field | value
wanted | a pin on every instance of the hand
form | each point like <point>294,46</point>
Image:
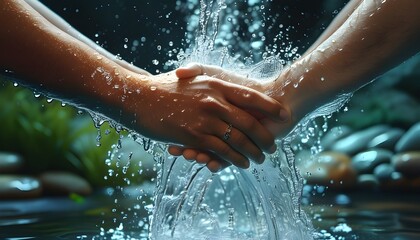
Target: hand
<point>214,162</point>
<point>196,113</point>
<point>277,128</point>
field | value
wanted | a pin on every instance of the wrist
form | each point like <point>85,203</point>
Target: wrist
<point>301,88</point>
<point>110,93</point>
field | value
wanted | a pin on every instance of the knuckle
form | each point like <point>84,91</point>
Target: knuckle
<point>224,150</point>
<point>215,105</point>
<point>242,140</point>
<point>249,123</point>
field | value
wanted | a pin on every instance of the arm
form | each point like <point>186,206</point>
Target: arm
<point>345,13</point>
<point>376,37</point>
<point>191,113</point>
<point>366,39</point>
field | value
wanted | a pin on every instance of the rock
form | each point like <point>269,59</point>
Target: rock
<point>19,187</point>
<point>408,164</point>
<point>365,162</point>
<point>410,141</point>
<point>64,183</point>
<point>367,181</point>
<point>358,141</point>
<point>386,140</point>
<point>333,135</point>
<point>397,183</point>
<point>342,200</point>
<point>383,172</point>
<point>10,162</point>
<point>330,169</point>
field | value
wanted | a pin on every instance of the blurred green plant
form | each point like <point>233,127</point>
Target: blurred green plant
<point>50,136</point>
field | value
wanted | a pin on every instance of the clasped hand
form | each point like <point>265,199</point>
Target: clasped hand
<point>197,112</point>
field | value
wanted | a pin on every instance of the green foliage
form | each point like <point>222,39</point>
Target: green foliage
<point>52,137</point>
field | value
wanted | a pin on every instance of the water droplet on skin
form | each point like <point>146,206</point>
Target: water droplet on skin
<point>153,88</point>
<point>322,79</point>
<point>301,79</point>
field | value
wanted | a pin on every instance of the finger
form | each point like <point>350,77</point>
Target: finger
<point>175,150</point>
<point>251,131</point>
<point>249,99</point>
<point>224,151</point>
<point>241,143</point>
<point>190,154</point>
<point>245,98</point>
<point>214,162</point>
<point>213,71</point>
<point>189,71</point>
<point>215,165</point>
<point>203,157</point>
<point>195,69</point>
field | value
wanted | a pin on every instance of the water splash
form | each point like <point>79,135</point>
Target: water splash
<point>262,202</point>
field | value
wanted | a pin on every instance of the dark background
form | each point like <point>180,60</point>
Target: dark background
<point>113,23</point>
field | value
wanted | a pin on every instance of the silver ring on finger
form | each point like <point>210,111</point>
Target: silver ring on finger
<point>226,135</point>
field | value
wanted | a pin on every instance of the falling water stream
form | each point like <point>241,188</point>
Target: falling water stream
<point>262,202</point>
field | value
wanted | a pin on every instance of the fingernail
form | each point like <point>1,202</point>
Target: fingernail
<point>261,159</point>
<point>273,148</point>
<point>284,115</point>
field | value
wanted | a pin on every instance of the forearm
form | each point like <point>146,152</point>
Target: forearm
<point>375,38</point>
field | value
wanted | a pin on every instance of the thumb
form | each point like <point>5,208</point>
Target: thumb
<point>189,71</point>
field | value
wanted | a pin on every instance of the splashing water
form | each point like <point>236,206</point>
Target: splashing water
<point>262,202</point>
